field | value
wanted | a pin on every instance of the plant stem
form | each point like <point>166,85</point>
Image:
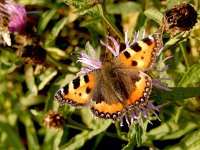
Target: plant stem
<point>183,49</point>
<point>103,13</point>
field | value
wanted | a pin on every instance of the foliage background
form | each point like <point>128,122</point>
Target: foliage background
<point>62,28</point>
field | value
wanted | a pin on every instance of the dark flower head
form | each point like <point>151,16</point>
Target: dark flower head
<point>33,54</point>
<point>12,18</point>
<point>182,17</point>
<point>93,62</point>
<point>54,120</point>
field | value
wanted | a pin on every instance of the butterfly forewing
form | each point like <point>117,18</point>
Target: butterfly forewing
<point>77,92</point>
<point>142,54</point>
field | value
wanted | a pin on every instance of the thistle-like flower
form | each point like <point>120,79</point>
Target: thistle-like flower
<point>54,120</point>
<point>131,114</point>
<point>12,19</point>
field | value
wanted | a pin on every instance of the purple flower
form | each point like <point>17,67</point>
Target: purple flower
<point>93,62</point>
<point>12,18</point>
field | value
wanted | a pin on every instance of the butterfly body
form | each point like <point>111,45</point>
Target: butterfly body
<point>119,85</point>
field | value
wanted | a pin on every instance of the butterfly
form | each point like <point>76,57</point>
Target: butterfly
<point>119,85</point>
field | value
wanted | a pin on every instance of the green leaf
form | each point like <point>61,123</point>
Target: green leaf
<point>30,80</point>
<point>77,3</point>
<point>131,138</point>
<point>55,31</point>
<point>191,77</point>
<point>45,18</point>
<point>177,94</point>
<point>123,7</point>
<point>140,22</point>
<point>171,130</point>
<point>34,2</point>
<point>154,14</point>
<point>173,41</point>
<point>12,137</point>
<point>84,6</point>
<point>31,134</point>
<point>47,79</point>
<point>135,135</point>
<point>173,3</point>
<point>190,142</point>
<point>52,139</point>
<point>78,141</point>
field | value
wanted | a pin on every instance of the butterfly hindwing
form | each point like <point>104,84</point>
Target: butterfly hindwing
<point>141,91</point>
<point>78,92</point>
<point>142,54</point>
<point>107,111</point>
<point>105,103</point>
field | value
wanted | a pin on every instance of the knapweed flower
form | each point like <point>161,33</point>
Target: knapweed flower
<point>54,120</point>
<point>142,106</point>
<point>12,19</point>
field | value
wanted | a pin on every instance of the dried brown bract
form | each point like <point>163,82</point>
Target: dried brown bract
<point>181,17</point>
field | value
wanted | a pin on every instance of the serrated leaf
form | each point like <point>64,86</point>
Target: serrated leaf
<point>154,14</point>
<point>77,3</point>
<point>135,135</point>
<point>191,77</point>
<point>84,6</point>
<point>123,7</point>
<point>131,138</point>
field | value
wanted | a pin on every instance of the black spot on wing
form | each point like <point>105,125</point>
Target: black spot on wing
<point>86,78</point>
<point>136,47</point>
<point>88,90</point>
<point>147,40</point>
<point>122,47</point>
<point>76,82</point>
<point>66,89</point>
<point>134,63</point>
<point>127,54</point>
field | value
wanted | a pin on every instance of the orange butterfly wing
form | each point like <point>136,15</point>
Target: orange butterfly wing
<point>78,92</point>
<point>141,92</point>
<point>142,54</point>
<point>107,111</point>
